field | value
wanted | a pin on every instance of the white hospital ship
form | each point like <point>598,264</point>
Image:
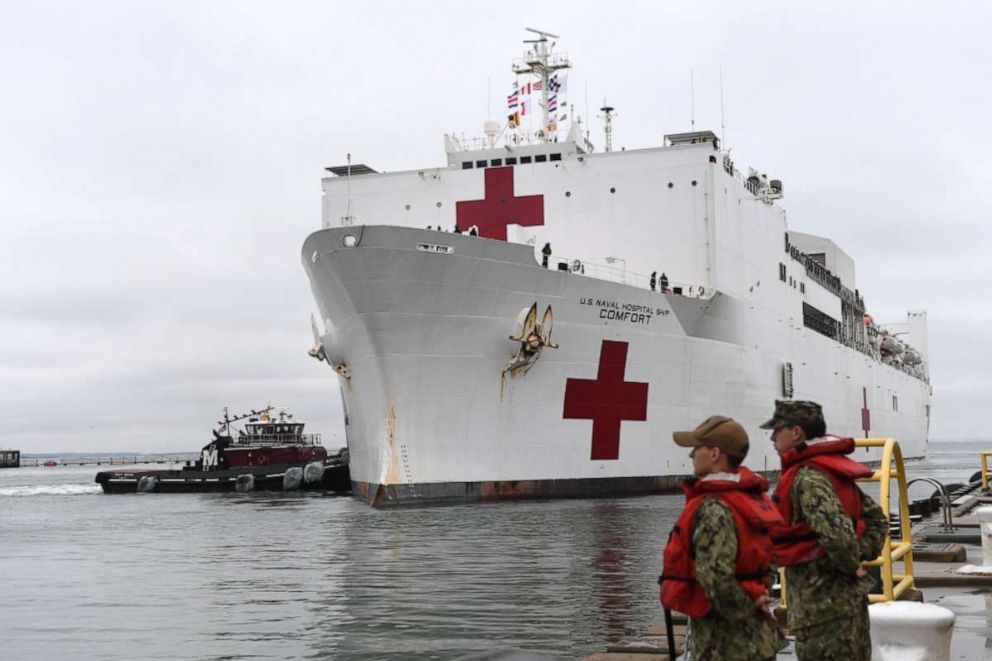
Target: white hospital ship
<point>673,290</point>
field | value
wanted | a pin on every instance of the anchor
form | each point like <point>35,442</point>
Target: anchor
<point>317,351</point>
<point>533,337</point>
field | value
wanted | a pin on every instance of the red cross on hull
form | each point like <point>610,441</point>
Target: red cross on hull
<point>499,208</point>
<point>607,400</point>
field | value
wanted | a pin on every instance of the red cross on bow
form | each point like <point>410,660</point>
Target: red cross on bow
<point>499,208</point>
<point>607,400</point>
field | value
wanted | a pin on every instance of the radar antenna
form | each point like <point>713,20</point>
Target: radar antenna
<point>541,62</point>
<point>228,419</point>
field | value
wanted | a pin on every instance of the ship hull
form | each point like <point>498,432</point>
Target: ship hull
<point>420,320</point>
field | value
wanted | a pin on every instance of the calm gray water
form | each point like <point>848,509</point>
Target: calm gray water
<point>291,576</point>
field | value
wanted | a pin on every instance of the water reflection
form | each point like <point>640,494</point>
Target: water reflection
<point>563,578</point>
<point>613,589</point>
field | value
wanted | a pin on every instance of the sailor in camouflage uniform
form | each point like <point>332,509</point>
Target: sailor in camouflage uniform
<point>831,526</point>
<point>716,562</point>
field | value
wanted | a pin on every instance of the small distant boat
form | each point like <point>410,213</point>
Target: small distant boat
<point>271,453</point>
<point>50,462</point>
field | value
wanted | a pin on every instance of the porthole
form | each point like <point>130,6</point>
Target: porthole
<point>568,193</point>
<point>613,190</point>
<point>407,207</point>
<point>693,182</point>
<point>671,185</point>
<point>438,205</point>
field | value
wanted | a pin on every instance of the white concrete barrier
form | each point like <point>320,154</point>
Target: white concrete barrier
<point>984,515</point>
<point>910,631</point>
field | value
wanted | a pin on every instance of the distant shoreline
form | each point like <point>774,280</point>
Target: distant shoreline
<point>108,455</point>
<point>170,453</point>
<point>78,455</point>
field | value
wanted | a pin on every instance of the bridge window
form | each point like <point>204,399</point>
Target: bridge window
<point>540,158</point>
<point>555,157</point>
<point>820,322</point>
<point>525,159</point>
<point>512,160</point>
<point>480,164</point>
<point>781,271</point>
<point>466,165</point>
<point>895,402</point>
<point>496,161</point>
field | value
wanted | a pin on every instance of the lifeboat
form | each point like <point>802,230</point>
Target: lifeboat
<point>912,357</point>
<point>890,346</point>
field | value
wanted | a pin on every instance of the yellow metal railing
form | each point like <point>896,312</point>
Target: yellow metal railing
<point>985,470</point>
<point>891,467</point>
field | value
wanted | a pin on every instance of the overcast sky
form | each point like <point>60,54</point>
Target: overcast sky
<point>160,167</point>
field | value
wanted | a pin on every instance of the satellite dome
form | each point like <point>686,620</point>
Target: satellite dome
<point>491,128</point>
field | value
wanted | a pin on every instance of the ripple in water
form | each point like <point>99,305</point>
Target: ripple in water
<point>303,576</point>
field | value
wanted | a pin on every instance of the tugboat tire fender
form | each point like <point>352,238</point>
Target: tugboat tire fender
<point>147,484</point>
<point>245,482</point>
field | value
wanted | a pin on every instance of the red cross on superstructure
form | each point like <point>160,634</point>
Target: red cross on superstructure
<point>607,400</point>
<point>499,208</point>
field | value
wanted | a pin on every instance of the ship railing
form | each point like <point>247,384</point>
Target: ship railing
<point>280,439</point>
<point>620,274</point>
<point>507,139</point>
<point>532,57</point>
<point>893,585</point>
<point>822,276</point>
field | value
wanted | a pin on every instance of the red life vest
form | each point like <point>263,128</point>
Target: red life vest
<point>796,544</point>
<point>754,516</point>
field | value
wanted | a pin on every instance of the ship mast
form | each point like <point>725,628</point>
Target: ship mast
<point>607,116</point>
<point>541,62</point>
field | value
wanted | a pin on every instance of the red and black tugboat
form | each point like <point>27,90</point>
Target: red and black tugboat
<point>271,453</point>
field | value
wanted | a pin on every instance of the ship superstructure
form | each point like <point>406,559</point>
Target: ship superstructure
<point>534,318</point>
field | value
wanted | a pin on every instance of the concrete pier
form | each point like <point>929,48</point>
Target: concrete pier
<point>112,460</point>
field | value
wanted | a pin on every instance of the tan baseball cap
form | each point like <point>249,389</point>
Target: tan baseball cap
<point>717,431</point>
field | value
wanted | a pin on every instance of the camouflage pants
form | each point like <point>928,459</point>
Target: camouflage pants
<point>844,639</point>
